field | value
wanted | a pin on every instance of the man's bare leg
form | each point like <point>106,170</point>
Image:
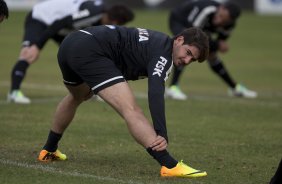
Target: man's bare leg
<point>67,107</point>
<point>121,98</point>
<point>65,112</point>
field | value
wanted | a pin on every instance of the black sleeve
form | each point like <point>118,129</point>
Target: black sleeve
<point>199,13</point>
<point>93,8</point>
<point>53,29</point>
<point>89,14</point>
<point>158,71</point>
<point>181,12</point>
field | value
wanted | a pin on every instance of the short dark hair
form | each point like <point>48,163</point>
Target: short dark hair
<point>120,13</point>
<point>4,9</point>
<point>196,37</point>
<point>233,9</point>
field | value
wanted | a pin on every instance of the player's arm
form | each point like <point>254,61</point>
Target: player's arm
<point>201,18</point>
<point>90,12</point>
<point>157,74</point>
<point>225,32</point>
<point>223,35</point>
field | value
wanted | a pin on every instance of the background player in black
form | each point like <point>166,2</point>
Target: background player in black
<point>54,19</point>
<point>4,11</point>
<point>99,60</point>
<point>217,20</point>
<point>277,178</point>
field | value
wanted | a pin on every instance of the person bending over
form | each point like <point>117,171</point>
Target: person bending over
<point>218,21</point>
<point>55,19</point>
<point>99,60</point>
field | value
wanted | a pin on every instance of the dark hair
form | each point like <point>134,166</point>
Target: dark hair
<point>120,13</point>
<point>233,9</point>
<point>4,9</point>
<point>196,37</point>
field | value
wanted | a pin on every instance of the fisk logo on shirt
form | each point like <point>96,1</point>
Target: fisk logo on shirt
<point>160,66</point>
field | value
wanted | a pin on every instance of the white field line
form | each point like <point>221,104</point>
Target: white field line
<point>56,171</point>
<point>141,95</point>
<point>66,173</point>
<point>36,86</point>
<point>218,99</point>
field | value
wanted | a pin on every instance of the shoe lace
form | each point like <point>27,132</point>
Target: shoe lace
<point>50,155</point>
<point>182,163</point>
<point>176,89</point>
<point>190,169</point>
<point>20,94</point>
<point>242,88</point>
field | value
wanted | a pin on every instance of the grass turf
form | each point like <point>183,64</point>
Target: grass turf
<point>234,140</point>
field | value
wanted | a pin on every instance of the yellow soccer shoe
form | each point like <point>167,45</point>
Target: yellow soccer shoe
<point>46,156</point>
<point>182,170</point>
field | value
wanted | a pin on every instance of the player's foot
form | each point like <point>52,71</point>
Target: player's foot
<point>182,170</point>
<point>17,96</point>
<point>174,92</point>
<point>242,91</point>
<point>45,156</point>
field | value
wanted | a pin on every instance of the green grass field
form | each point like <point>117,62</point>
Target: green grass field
<point>237,141</point>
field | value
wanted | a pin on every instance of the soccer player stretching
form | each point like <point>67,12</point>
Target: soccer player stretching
<point>218,21</point>
<point>55,19</point>
<point>99,60</point>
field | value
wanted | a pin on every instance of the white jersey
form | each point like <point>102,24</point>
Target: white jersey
<point>51,10</point>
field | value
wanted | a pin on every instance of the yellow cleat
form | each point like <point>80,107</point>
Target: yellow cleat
<point>182,170</point>
<point>46,156</point>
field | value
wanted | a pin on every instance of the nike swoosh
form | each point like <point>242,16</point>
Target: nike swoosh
<point>194,173</point>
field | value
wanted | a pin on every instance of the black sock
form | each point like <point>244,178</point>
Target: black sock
<point>18,74</point>
<point>218,67</point>
<point>163,157</point>
<point>176,75</point>
<point>52,141</point>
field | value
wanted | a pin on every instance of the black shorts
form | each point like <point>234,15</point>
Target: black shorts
<point>81,59</point>
<point>177,27</point>
<point>33,30</point>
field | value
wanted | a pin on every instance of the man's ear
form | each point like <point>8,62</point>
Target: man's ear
<point>179,40</point>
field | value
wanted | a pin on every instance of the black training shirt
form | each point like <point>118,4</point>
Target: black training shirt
<point>200,14</point>
<point>140,53</point>
<point>64,16</point>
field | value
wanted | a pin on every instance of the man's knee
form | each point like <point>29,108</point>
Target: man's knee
<point>28,56</point>
<point>80,93</point>
<point>133,110</point>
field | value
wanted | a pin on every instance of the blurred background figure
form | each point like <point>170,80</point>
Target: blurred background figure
<point>54,19</point>
<point>217,20</point>
<point>4,12</point>
<point>153,3</point>
<point>277,178</point>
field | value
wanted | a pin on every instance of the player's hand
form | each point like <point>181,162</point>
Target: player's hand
<point>223,46</point>
<point>159,144</point>
<point>30,54</point>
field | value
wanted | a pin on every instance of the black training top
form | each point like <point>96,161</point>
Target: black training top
<point>200,14</point>
<point>140,53</point>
